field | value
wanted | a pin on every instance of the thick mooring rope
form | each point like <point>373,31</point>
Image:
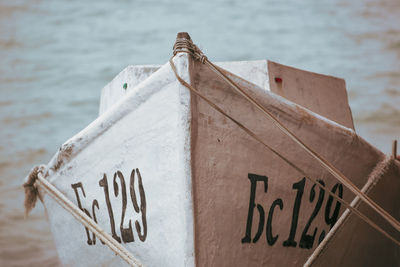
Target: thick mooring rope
<point>187,46</point>
<point>36,178</point>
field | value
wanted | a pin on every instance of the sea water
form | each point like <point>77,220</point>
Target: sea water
<point>55,56</point>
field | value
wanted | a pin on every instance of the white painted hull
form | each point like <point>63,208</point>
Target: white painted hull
<point>151,136</point>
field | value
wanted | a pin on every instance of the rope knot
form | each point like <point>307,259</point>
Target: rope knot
<point>185,45</point>
<point>31,192</point>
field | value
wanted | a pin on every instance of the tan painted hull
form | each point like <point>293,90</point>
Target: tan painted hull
<point>223,156</point>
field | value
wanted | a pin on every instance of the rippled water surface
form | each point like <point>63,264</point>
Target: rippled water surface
<point>55,56</point>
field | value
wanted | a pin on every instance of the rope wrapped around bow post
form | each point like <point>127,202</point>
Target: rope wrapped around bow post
<point>184,44</point>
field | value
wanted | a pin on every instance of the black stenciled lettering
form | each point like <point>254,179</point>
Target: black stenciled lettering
<point>261,224</point>
<point>103,183</point>
<point>95,204</point>
<point>126,233</point>
<point>331,220</point>
<point>299,186</point>
<point>142,236</point>
<point>254,178</point>
<point>75,187</point>
<point>270,238</point>
<point>307,241</point>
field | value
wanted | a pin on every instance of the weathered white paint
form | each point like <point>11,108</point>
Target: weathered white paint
<point>132,76</point>
<point>149,130</point>
<point>253,71</point>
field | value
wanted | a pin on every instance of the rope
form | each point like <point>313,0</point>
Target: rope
<point>336,173</point>
<point>36,177</point>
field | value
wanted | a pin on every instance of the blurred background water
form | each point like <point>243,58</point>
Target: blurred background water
<point>55,56</point>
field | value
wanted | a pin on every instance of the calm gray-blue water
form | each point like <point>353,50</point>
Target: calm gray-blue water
<point>55,56</point>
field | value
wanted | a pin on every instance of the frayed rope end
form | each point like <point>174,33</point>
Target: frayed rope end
<point>31,192</point>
